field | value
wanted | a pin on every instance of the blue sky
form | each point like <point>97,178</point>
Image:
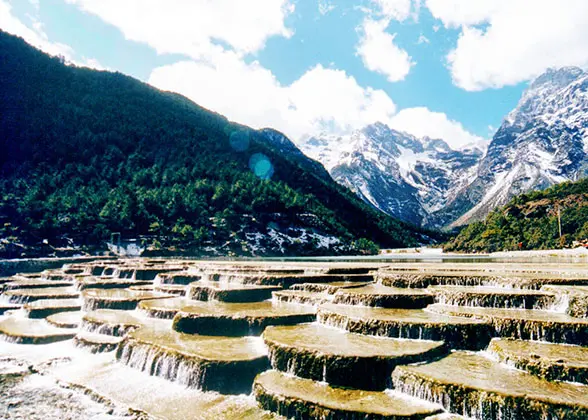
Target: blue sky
<point>445,68</point>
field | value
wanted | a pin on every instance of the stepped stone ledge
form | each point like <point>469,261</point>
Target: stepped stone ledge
<point>301,297</point>
<point>525,324</point>
<point>96,343</point>
<point>573,299</point>
<point>311,340</point>
<point>555,362</point>
<point>299,398</point>
<point>329,288</point>
<point>32,331</point>
<point>230,292</point>
<point>69,319</point>
<point>330,355</point>
<point>163,308</point>
<point>456,332</point>
<point>378,295</point>
<point>490,390</point>
<point>226,365</point>
<point>21,296</point>
<point>122,299</point>
<point>517,280</point>
<point>238,319</point>
<point>46,307</point>
<point>493,297</point>
<point>111,322</point>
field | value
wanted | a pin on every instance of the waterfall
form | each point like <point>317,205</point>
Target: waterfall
<point>117,330</point>
<point>93,304</point>
<point>229,377</point>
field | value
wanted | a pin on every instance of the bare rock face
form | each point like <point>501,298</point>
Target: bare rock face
<point>407,177</point>
<point>542,142</point>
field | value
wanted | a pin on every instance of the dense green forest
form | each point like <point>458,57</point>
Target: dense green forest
<point>531,221</point>
<point>88,153</point>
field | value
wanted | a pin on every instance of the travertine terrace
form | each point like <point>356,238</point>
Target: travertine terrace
<point>167,338</point>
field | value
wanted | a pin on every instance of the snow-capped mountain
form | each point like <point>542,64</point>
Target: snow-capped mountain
<point>402,175</point>
<point>544,141</point>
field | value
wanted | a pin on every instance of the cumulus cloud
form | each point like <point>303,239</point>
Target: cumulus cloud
<point>456,13</point>
<point>221,76</point>
<point>394,9</point>
<point>505,42</point>
<point>192,27</point>
<point>377,49</point>
<point>380,54</point>
<point>34,36</point>
<point>322,99</point>
<point>421,122</point>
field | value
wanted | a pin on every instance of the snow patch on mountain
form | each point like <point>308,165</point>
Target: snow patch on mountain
<point>400,174</point>
<point>542,142</point>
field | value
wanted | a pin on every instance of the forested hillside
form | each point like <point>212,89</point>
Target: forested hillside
<point>85,154</point>
<point>531,221</point>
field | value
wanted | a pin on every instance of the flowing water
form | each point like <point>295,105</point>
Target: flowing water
<point>302,338</point>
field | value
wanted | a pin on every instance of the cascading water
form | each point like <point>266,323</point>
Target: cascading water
<point>117,330</point>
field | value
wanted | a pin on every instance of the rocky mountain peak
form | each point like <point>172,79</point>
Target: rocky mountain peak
<point>556,78</point>
<point>542,142</point>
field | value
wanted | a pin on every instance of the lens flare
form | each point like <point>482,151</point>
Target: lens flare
<point>261,166</point>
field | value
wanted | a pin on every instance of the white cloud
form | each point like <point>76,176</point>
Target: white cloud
<point>191,27</point>
<point>220,78</point>
<point>325,6</point>
<point>379,53</point>
<point>91,63</point>
<point>394,9</point>
<point>520,39</point>
<point>422,122</point>
<point>423,40</point>
<point>399,10</point>
<point>34,36</point>
<point>322,99</point>
<point>455,13</point>
<point>332,100</point>
<point>37,37</point>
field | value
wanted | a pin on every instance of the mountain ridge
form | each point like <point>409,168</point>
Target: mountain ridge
<point>400,174</point>
<point>88,153</point>
<point>542,142</point>
<point>552,218</point>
